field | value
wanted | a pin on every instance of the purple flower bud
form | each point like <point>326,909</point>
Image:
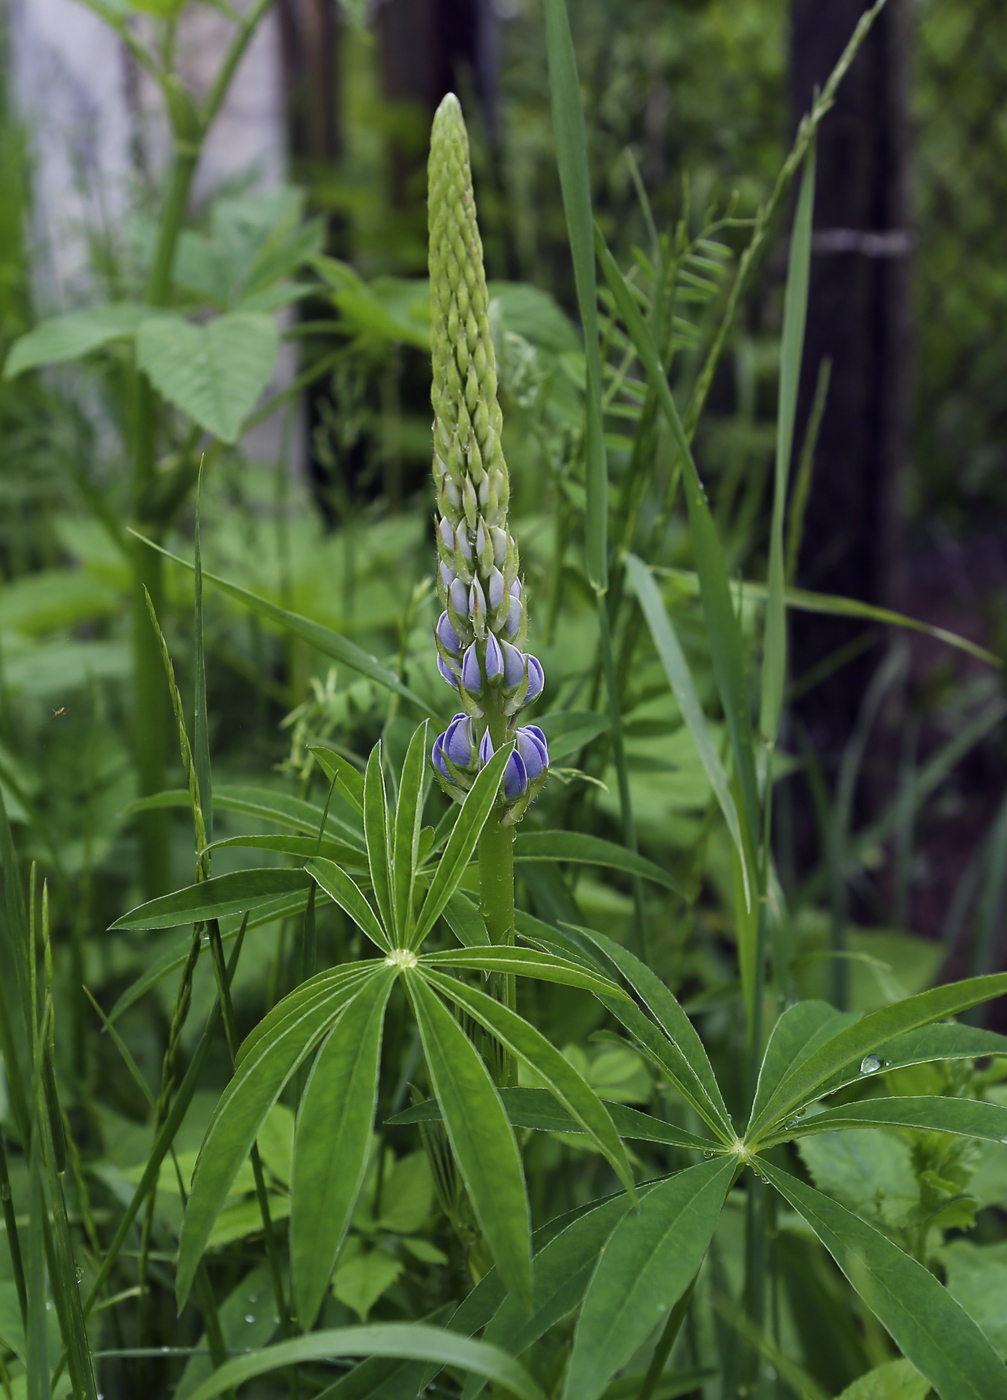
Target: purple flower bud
<point>536,678</point>
<point>494,659</point>
<point>514,613</point>
<point>500,543</point>
<point>495,588</point>
<point>447,636</point>
<point>471,676</point>
<point>447,534</point>
<point>532,747</point>
<point>457,741</point>
<point>447,576</point>
<point>446,672</point>
<point>480,538</point>
<point>459,598</point>
<point>485,749</point>
<point>515,778</point>
<point>438,758</point>
<point>462,543</point>
<point>513,666</point>
<point>515,588</point>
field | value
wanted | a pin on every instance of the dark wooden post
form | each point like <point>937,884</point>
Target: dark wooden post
<point>857,316</point>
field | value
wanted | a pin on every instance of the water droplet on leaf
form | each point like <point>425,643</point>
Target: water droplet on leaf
<point>249,1317</point>
<point>870,1064</point>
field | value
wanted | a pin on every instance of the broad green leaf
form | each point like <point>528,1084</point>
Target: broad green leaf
<point>408,820</point>
<point>676,668</point>
<point>223,894</point>
<point>591,850</point>
<point>795,308</point>
<point>976,1276</point>
<point>472,817</point>
<point>361,1280</point>
<point>343,889</point>
<point>943,1041</point>
<point>932,1330</point>
<point>895,1380</point>
<point>248,1321</point>
<point>480,1135</point>
<point>68,337</point>
<point>254,1088</point>
<point>855,1046</point>
<point>526,963</point>
<point>539,1109</point>
<point>967,1117</point>
<point>563,1269</point>
<point>796,1035</point>
<point>682,1034</point>
<point>575,182</point>
<point>529,1045</point>
<point>342,772</point>
<point>465,922</point>
<point>332,1142</point>
<point>322,638</point>
<point>648,1263</point>
<point>376,836</point>
<point>213,372</point>
<point>411,1340</point>
<point>726,647</point>
<point>300,847</point>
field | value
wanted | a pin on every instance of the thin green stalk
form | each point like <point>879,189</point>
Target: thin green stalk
<point>666,1341</point>
<point>13,1240</point>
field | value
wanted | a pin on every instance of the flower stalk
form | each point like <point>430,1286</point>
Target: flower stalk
<point>481,630</point>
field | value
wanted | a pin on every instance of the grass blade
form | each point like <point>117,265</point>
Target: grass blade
<point>676,668</point>
<point>795,308</point>
<point>571,156</point>
<point>410,1340</point>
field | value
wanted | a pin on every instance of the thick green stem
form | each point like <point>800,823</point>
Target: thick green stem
<point>496,896</point>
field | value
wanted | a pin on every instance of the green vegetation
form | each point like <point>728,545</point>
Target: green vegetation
<point>345,1060</point>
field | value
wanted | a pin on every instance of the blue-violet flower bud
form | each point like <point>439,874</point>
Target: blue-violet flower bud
<point>447,575</point>
<point>515,777</point>
<point>495,588</point>
<point>513,666</point>
<point>485,749</point>
<point>446,672</point>
<point>458,596</point>
<point>512,625</point>
<point>458,742</point>
<point>494,659</point>
<point>536,678</point>
<point>447,636</point>
<point>532,746</point>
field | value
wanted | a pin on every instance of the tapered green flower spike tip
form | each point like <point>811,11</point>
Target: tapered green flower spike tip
<point>467,420</point>
<point>480,633</point>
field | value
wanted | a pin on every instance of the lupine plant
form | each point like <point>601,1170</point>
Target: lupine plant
<point>425,1026</point>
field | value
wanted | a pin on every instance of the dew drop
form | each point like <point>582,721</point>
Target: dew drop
<point>48,1307</point>
<point>253,1297</point>
<point>870,1064</point>
<point>166,1349</point>
<point>79,1274</point>
<point>709,1156</point>
<point>249,1317</point>
<point>1004,1141</point>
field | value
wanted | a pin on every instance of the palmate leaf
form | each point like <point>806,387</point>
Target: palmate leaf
<point>529,1045</point>
<point>797,1035</point>
<point>525,962</point>
<point>480,1135</point>
<point>845,1053</point>
<point>341,888</point>
<point>465,922</point>
<point>409,1340</point>
<point>236,893</point>
<point>966,1117</point>
<point>339,770</point>
<point>563,1268</point>
<point>540,1110</point>
<point>406,834</point>
<point>932,1330</point>
<point>305,997</point>
<point>256,1085</point>
<point>691,1062</point>
<point>332,1141</point>
<point>292,813</point>
<point>648,1263</point>
<point>376,836</point>
<point>300,847</point>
